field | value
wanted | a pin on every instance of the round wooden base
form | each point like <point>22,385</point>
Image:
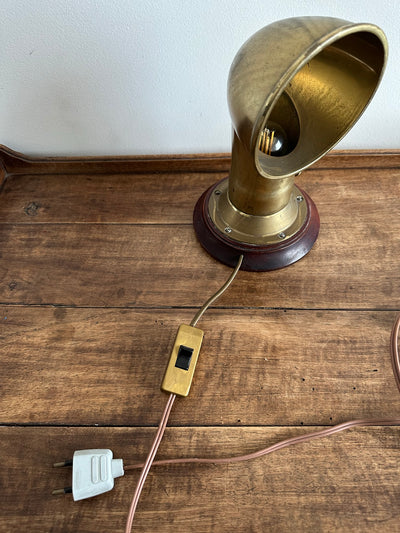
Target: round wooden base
<point>256,257</point>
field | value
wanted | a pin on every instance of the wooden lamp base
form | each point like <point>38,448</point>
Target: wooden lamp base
<point>256,257</point>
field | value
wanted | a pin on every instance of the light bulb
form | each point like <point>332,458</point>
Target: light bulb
<point>273,140</point>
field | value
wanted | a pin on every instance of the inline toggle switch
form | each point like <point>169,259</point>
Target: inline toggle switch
<point>182,362</point>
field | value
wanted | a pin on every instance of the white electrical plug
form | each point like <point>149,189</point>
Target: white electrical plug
<point>93,472</point>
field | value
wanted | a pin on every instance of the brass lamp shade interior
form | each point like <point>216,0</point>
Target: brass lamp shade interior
<point>322,101</point>
<point>295,88</point>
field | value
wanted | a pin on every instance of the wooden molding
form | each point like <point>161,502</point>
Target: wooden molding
<point>15,163</point>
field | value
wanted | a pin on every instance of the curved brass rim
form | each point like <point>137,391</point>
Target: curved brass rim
<point>313,51</point>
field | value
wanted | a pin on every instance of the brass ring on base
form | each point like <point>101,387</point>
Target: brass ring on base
<point>257,257</point>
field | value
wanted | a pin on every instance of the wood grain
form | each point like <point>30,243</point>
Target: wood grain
<point>257,367</point>
<point>348,482</point>
<point>169,198</point>
<point>352,264</point>
<point>99,266</point>
<point>130,266</point>
<point>118,198</point>
<point>15,163</point>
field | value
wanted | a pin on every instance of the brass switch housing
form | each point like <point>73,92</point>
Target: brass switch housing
<point>177,380</point>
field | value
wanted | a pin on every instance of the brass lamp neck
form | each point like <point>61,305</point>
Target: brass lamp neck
<point>252,193</point>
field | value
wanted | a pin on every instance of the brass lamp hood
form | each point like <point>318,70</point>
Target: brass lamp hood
<point>295,88</point>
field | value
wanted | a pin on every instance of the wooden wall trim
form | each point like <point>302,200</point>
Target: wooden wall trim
<point>16,163</point>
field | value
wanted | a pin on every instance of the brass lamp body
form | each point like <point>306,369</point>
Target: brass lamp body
<point>295,88</point>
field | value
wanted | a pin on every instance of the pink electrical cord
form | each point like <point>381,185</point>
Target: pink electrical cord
<point>394,348</point>
<point>164,419</point>
<point>147,465</point>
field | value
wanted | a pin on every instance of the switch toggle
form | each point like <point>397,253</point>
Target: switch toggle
<point>182,362</point>
<point>184,357</point>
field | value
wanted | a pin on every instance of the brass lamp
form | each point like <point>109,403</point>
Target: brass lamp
<point>295,88</point>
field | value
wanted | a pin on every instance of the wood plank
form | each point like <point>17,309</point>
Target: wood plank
<point>352,265</point>
<point>347,482</point>
<point>99,366</point>
<point>125,199</point>
<point>370,194</point>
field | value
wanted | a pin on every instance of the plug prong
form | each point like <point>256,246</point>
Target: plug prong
<point>65,490</point>
<point>68,462</point>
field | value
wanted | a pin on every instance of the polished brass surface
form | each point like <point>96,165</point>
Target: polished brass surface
<point>295,88</point>
<point>176,380</point>
<point>256,229</point>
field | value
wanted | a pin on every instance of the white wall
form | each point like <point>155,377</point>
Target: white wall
<point>139,77</point>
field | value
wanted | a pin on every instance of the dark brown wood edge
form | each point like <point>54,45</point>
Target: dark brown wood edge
<point>15,163</point>
<point>257,258</point>
<point>3,176</point>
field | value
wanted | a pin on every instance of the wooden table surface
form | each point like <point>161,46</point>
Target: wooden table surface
<point>100,265</point>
